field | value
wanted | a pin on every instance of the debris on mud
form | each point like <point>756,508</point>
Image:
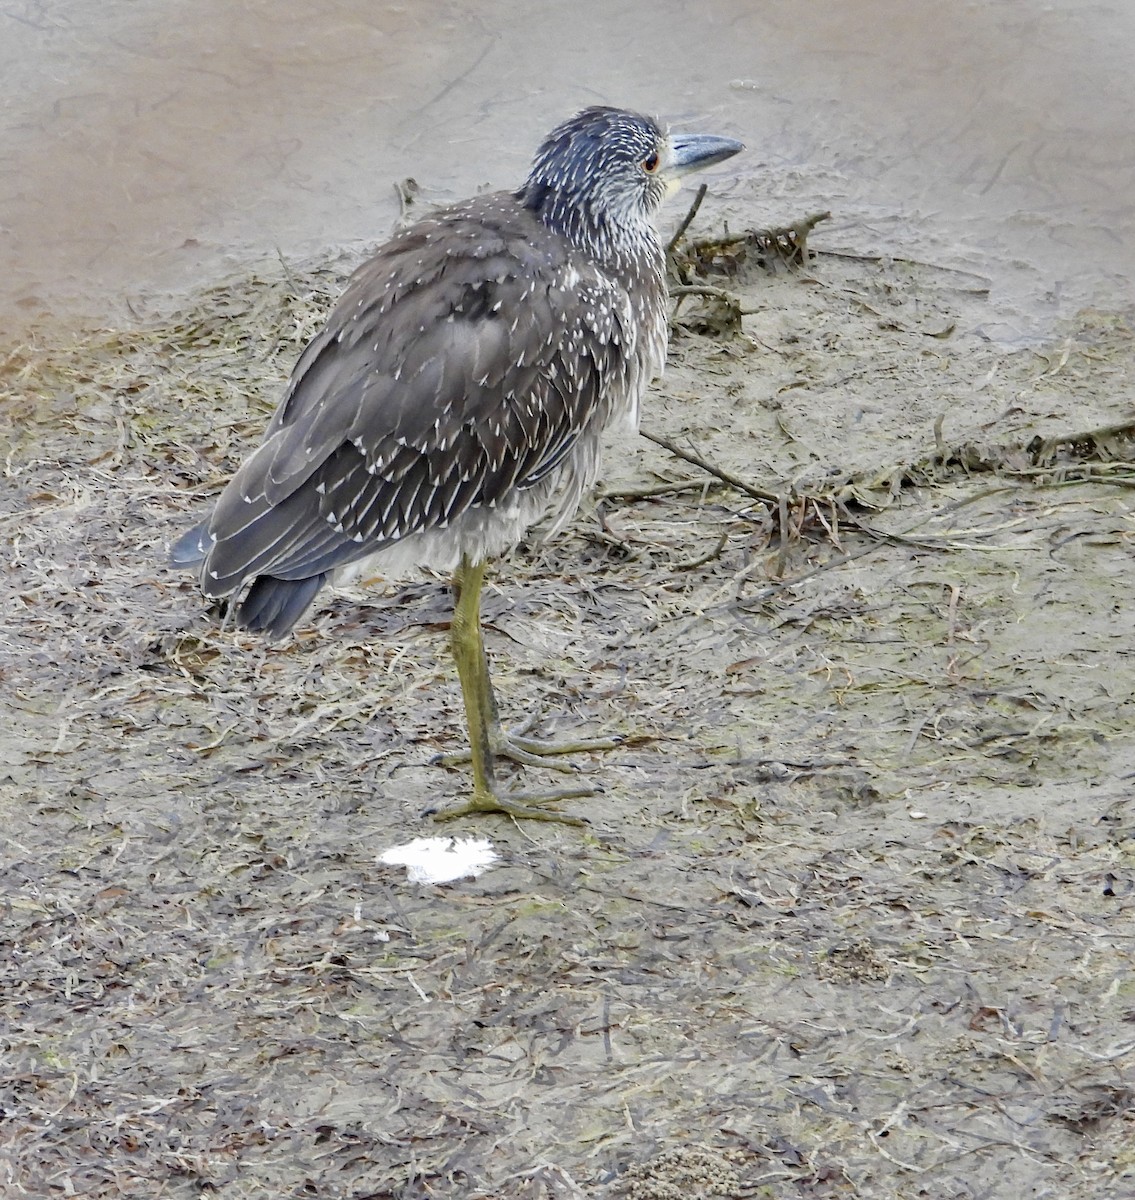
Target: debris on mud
<point>690,262</point>
<point>852,916</point>
<point>684,1173</point>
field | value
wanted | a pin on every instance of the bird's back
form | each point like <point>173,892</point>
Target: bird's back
<point>456,394</point>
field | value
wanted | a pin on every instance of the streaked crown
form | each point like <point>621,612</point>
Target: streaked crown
<point>597,178</point>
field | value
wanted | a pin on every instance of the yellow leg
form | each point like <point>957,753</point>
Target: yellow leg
<point>487,740</point>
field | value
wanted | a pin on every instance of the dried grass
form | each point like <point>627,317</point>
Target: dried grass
<point>852,918</point>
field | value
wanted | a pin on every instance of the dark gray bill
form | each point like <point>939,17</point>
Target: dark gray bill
<point>694,151</point>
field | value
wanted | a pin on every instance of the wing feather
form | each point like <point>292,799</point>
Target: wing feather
<point>458,365</point>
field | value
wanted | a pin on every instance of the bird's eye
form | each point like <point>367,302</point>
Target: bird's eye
<point>650,164</point>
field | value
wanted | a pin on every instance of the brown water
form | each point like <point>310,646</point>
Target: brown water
<point>149,145</point>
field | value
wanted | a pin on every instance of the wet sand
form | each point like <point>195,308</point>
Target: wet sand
<point>147,147</point>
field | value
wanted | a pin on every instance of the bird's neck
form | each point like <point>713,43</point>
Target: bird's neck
<point>619,246</point>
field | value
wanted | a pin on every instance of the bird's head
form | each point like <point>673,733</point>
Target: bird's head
<point>602,175</point>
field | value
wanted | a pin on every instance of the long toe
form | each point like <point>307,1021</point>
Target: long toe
<point>521,806</point>
<point>534,752</point>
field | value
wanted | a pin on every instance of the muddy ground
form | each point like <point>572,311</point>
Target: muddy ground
<point>852,917</point>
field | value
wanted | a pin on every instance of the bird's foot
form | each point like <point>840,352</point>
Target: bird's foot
<point>540,752</point>
<point>532,752</point>
<point>521,806</point>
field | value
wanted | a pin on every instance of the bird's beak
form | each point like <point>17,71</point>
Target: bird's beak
<point>693,151</point>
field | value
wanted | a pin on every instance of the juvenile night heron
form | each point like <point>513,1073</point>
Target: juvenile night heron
<point>455,400</point>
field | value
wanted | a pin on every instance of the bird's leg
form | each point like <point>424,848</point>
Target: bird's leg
<point>534,752</point>
<point>486,738</point>
<point>525,751</point>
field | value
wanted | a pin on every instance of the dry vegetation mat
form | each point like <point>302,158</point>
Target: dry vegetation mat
<point>853,917</point>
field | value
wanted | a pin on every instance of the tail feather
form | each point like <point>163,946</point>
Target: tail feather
<point>192,548</point>
<point>282,551</point>
<point>274,605</point>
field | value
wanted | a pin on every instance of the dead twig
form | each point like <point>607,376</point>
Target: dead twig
<point>650,490</point>
<point>704,289</point>
<point>709,556</point>
<point>886,259</point>
<point>686,220</point>
<point>690,456</point>
<point>771,247</point>
<point>879,538</point>
<point>722,315</point>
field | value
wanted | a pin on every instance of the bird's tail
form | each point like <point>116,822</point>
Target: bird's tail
<point>271,605</point>
<point>192,548</point>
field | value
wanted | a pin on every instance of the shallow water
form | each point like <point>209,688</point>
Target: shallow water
<point>149,145</point>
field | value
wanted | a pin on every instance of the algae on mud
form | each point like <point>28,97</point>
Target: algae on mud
<point>853,915</point>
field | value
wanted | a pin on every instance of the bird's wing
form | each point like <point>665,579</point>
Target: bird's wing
<point>464,360</point>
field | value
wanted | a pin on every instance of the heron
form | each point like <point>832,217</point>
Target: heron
<point>454,403</point>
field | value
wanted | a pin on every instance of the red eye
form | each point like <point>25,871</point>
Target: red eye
<point>650,164</point>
